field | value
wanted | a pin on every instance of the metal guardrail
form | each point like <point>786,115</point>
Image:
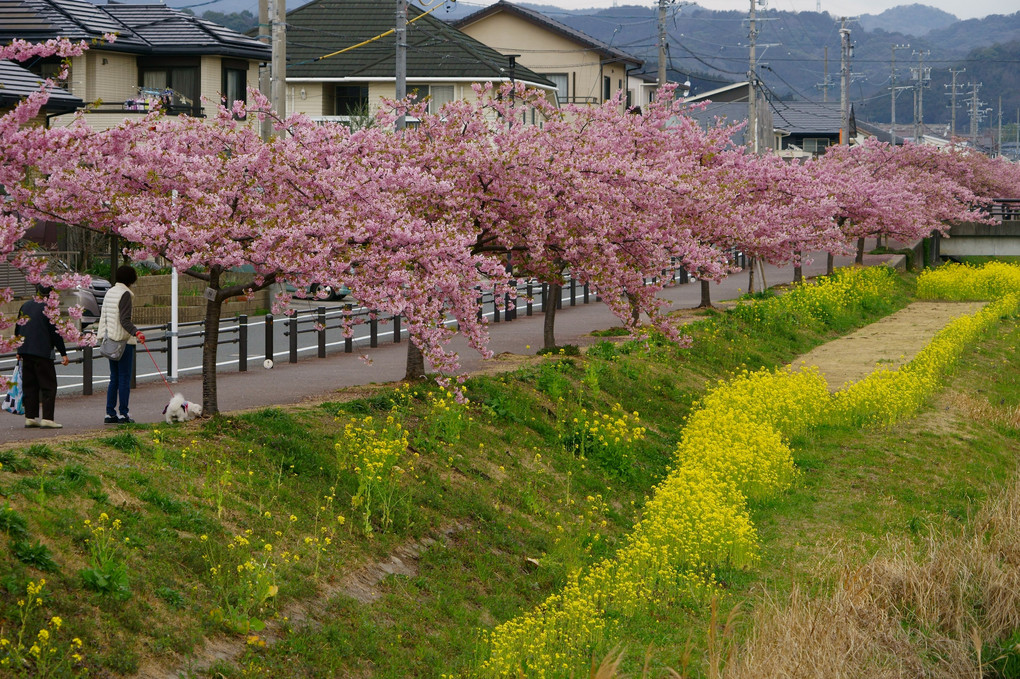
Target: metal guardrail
<point>1005,209</point>
<point>323,322</point>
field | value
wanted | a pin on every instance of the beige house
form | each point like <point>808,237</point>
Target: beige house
<point>584,70</point>
<point>159,55</point>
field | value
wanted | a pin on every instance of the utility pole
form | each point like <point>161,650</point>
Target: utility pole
<point>974,112</point>
<point>892,89</point>
<point>826,82</point>
<point>278,13</point>
<point>922,76</point>
<point>265,80</point>
<point>752,85</point>
<point>999,146</point>
<point>401,65</point>
<point>952,104</point>
<point>662,42</point>
<point>844,82</point>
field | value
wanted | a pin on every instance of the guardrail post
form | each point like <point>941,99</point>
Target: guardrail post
<point>167,333</point>
<point>396,329</point>
<point>348,339</point>
<point>585,293</point>
<point>481,300</point>
<point>495,307</point>
<point>242,343</point>
<point>528,301</point>
<point>545,296</point>
<point>86,371</point>
<point>292,336</point>
<point>321,332</point>
<point>373,330</point>
<point>269,337</point>
<point>573,290</point>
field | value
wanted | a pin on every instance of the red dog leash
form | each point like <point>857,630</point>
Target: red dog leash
<point>145,346</point>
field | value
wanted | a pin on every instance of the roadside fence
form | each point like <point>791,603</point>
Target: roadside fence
<point>323,326</point>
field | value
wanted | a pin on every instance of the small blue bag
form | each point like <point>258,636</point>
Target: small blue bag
<point>13,400</point>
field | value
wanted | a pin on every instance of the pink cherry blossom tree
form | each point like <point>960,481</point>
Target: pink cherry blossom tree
<point>305,206</point>
<point>902,192</point>
<point>23,150</point>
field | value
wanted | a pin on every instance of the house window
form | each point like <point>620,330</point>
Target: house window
<point>351,100</point>
<point>235,81</point>
<point>441,95</point>
<point>607,88</point>
<point>176,81</point>
<point>815,145</point>
<point>560,80</point>
<point>418,92</point>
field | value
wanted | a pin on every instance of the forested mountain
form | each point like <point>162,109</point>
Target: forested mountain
<point>916,20</point>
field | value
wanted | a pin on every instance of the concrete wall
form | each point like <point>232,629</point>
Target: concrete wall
<point>973,239</point>
<point>152,301</point>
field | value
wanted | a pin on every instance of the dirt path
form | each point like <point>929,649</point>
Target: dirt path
<point>890,342</point>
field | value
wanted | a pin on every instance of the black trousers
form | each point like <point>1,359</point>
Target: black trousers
<point>40,386</point>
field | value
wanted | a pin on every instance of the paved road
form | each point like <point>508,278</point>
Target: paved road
<point>315,378</point>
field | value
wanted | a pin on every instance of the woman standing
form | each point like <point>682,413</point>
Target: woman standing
<point>36,356</point>
<point>115,323</point>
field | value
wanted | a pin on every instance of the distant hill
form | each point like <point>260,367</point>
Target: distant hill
<point>973,34</point>
<point>915,20</point>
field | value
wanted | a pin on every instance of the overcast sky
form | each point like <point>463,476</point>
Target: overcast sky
<point>964,10</point>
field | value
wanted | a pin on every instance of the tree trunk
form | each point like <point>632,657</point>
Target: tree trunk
<point>798,269</point>
<point>859,261</point>
<point>830,264</point>
<point>549,322</point>
<point>706,295</point>
<point>415,369</point>
<point>750,275</point>
<point>210,344</point>
<point>635,312</point>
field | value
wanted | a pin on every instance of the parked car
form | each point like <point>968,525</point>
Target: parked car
<point>90,299</point>
<point>332,295</point>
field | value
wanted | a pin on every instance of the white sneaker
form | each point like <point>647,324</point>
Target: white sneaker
<point>50,424</point>
<point>29,422</point>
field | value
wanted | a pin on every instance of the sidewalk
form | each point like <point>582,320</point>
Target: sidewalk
<point>316,378</point>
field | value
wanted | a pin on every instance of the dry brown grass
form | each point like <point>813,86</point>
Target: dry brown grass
<point>916,611</point>
<point>980,410</point>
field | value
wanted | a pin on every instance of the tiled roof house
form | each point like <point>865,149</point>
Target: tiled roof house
<point>17,82</point>
<point>160,53</point>
<point>336,69</point>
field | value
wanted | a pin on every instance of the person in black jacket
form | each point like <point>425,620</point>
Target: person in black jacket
<point>39,377</point>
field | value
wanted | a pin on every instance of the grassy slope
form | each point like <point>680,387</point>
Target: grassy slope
<point>503,493</point>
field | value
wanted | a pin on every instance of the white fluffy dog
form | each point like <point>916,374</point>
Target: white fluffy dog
<point>180,409</point>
